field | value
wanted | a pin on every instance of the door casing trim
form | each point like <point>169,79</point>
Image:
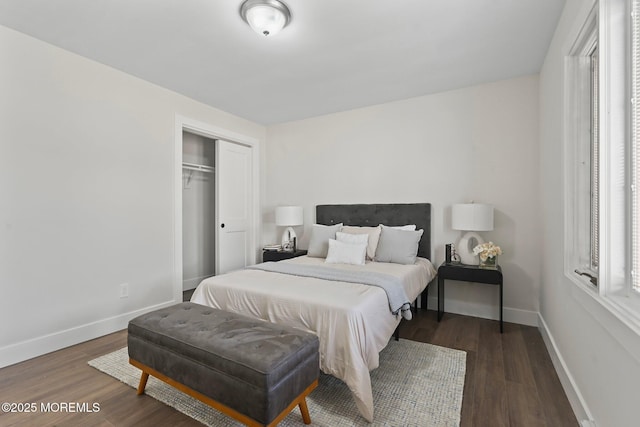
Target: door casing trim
<point>207,130</point>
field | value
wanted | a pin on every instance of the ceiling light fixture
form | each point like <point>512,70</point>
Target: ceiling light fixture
<point>266,17</point>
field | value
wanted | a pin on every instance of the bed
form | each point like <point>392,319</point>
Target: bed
<point>354,321</point>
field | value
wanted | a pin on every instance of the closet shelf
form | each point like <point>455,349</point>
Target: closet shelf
<point>197,167</point>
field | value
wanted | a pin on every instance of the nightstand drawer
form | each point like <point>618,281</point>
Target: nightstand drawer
<point>280,255</point>
<point>465,273</point>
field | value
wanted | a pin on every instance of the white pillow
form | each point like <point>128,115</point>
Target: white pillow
<point>346,253</point>
<point>320,235</point>
<point>398,246</point>
<point>372,232</point>
<point>352,238</point>
<point>408,227</point>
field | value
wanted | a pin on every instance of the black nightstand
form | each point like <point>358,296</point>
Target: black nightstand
<point>467,273</point>
<point>280,255</point>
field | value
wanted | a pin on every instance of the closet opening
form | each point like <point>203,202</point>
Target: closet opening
<point>216,209</point>
<point>198,209</point>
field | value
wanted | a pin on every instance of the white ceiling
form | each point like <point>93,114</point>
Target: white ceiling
<point>335,55</point>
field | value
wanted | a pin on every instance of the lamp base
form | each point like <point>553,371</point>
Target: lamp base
<point>465,246</point>
<point>287,239</point>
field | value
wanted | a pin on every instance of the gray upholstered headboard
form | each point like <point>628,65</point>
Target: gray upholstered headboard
<point>387,214</point>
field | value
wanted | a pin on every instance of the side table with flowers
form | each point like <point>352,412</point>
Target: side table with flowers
<point>468,273</point>
<point>488,254</point>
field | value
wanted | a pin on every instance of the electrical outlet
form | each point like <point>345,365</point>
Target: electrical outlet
<point>124,290</point>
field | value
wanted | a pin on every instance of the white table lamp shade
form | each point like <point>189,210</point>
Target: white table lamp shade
<point>471,217</point>
<point>289,216</point>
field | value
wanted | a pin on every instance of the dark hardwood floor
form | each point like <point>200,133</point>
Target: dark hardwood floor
<point>510,380</point>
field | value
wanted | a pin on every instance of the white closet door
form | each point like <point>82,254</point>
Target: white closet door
<point>233,205</point>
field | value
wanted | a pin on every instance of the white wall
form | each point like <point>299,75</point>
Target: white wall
<point>593,350</point>
<point>86,195</point>
<point>478,143</point>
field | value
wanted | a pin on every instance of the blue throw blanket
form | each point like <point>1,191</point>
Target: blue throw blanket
<point>398,300</point>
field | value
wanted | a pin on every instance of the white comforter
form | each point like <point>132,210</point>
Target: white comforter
<point>352,321</point>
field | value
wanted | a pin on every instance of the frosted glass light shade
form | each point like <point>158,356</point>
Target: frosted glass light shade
<point>265,17</point>
<point>472,217</point>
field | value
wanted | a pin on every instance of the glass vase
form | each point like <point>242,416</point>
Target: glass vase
<point>489,262</point>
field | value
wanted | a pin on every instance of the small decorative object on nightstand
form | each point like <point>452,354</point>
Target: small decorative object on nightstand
<point>280,255</point>
<point>488,254</point>
<point>467,273</point>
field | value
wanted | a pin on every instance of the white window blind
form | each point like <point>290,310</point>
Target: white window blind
<point>595,155</point>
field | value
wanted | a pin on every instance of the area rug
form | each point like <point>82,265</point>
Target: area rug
<point>416,384</point>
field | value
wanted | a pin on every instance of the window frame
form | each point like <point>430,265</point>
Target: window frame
<point>578,112</point>
<point>610,21</point>
<point>634,151</point>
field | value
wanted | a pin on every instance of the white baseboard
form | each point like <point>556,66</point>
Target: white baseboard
<point>511,315</point>
<point>578,404</point>
<point>29,349</point>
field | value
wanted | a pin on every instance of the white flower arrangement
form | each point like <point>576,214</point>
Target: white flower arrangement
<point>487,250</point>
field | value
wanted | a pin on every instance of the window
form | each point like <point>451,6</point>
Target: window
<point>635,146</point>
<point>582,157</point>
<point>602,158</point>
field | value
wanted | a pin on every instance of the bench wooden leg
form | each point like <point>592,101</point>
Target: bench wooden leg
<point>304,410</point>
<point>143,382</point>
<point>299,401</point>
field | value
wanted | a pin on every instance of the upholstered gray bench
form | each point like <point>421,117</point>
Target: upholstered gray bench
<point>252,370</point>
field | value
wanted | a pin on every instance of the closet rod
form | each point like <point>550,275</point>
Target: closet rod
<point>199,168</point>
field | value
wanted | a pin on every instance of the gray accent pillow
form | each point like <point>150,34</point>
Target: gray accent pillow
<point>320,235</point>
<point>398,246</point>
